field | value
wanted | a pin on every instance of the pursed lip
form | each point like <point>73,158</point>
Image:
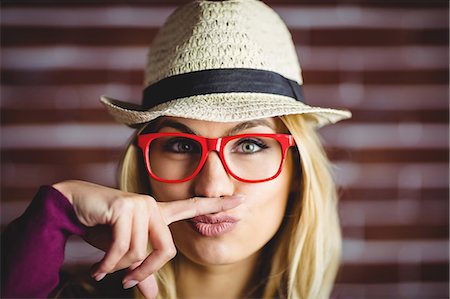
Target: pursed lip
<point>213,225</point>
<point>213,219</point>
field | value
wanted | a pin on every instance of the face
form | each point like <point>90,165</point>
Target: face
<point>253,223</point>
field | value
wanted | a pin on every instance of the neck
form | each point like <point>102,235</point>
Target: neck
<point>219,281</point>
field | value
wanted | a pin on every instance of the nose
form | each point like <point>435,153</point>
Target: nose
<point>213,180</point>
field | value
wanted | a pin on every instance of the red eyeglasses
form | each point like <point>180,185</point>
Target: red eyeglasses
<point>179,157</point>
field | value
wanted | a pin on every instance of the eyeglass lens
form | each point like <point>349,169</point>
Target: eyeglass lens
<point>249,158</point>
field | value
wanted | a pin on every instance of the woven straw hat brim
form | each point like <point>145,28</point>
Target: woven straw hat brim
<point>226,107</point>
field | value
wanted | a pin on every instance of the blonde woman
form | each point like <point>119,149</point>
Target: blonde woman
<point>225,190</point>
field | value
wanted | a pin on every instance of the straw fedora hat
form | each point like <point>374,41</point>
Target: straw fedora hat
<point>222,61</point>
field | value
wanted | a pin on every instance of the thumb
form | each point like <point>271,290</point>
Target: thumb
<point>148,287</point>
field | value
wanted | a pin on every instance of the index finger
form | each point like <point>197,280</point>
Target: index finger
<point>189,208</point>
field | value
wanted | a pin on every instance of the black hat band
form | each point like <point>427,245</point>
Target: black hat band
<point>220,81</point>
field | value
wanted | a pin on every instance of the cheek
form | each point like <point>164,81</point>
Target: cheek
<point>265,208</point>
<point>267,201</point>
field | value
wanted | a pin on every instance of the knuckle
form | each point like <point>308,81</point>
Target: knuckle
<point>196,206</point>
<point>121,247</point>
<point>132,258</point>
<point>103,268</point>
<point>170,252</point>
<point>123,205</point>
<point>143,274</point>
<point>194,200</point>
<point>151,202</point>
<point>106,266</point>
<point>139,255</point>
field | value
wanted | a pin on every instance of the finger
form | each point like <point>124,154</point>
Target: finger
<point>189,208</point>
<point>163,251</point>
<point>138,243</point>
<point>119,247</point>
<point>148,287</point>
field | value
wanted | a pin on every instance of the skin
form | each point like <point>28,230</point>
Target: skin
<point>122,224</point>
<point>214,261</point>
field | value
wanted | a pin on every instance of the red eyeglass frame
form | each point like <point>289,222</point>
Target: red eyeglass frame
<point>213,144</point>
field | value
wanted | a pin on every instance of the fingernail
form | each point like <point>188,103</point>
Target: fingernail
<point>99,276</point>
<point>130,284</point>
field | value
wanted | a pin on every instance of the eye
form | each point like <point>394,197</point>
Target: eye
<point>249,146</point>
<point>182,146</point>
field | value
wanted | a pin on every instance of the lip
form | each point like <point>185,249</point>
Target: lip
<point>213,225</point>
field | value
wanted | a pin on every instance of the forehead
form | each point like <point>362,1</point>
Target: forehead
<point>205,128</point>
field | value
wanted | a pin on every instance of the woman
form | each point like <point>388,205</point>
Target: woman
<point>225,190</point>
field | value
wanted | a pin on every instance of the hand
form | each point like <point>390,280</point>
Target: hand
<point>123,224</point>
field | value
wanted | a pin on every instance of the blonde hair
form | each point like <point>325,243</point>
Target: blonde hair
<point>305,252</point>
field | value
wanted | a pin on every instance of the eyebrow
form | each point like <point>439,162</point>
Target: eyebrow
<point>235,130</point>
<point>250,124</point>
<point>167,123</point>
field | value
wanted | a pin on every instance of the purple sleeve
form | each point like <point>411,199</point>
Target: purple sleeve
<point>33,245</point>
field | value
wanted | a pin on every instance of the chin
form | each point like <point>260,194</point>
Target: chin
<point>215,252</point>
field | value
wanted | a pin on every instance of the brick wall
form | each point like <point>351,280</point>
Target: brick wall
<point>387,61</point>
